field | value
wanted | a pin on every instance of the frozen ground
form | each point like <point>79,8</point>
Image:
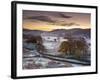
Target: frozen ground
<point>34,60</point>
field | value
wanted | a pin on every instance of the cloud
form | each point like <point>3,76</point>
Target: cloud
<point>41,18</point>
<point>70,24</point>
<point>65,24</point>
<point>64,16</point>
<point>51,20</point>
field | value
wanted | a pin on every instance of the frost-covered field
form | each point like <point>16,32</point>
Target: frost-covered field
<point>35,61</point>
<point>32,59</point>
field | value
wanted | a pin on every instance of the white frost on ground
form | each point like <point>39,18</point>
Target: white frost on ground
<point>40,62</point>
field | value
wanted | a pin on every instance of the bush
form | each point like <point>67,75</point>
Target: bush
<point>76,48</point>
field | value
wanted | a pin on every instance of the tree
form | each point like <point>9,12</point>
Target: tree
<point>40,48</point>
<point>64,48</point>
<point>37,40</point>
<point>32,39</point>
<point>74,47</point>
<point>81,48</point>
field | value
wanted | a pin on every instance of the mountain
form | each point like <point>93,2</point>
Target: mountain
<point>76,31</point>
<point>32,32</point>
<point>60,32</point>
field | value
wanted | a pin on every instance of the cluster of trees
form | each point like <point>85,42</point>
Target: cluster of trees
<point>37,40</point>
<point>77,48</point>
<point>34,39</point>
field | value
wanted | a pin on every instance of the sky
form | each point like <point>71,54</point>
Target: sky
<point>48,20</point>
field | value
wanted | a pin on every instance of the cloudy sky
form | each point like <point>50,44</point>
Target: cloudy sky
<point>48,21</point>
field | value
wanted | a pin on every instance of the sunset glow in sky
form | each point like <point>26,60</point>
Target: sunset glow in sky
<point>48,21</point>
